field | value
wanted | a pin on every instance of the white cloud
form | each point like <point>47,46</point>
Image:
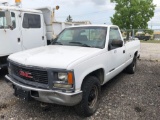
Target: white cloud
<point>99,2</point>
<point>156,2</point>
<point>1,1</point>
<point>154,22</point>
<point>86,10</point>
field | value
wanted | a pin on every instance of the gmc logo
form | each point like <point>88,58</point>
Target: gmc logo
<point>25,74</point>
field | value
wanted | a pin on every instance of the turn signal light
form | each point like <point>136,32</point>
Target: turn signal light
<point>17,1</point>
<point>70,78</point>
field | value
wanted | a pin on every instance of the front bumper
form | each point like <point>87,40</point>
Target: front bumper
<point>49,96</point>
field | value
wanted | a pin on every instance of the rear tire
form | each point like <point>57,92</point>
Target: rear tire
<point>131,69</point>
<point>90,98</point>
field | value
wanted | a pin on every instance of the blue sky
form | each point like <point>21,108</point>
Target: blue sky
<point>96,11</point>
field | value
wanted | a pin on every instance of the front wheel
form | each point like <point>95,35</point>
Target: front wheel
<point>90,98</point>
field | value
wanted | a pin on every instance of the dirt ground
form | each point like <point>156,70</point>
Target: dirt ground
<point>150,51</point>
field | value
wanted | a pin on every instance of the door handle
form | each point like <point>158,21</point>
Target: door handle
<point>19,40</point>
<point>124,51</point>
<point>42,37</point>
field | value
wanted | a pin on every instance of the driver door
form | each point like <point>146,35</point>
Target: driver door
<point>9,42</point>
<point>116,55</point>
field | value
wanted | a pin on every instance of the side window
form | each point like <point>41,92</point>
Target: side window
<point>114,36</point>
<point>13,19</point>
<point>2,20</point>
<point>31,21</point>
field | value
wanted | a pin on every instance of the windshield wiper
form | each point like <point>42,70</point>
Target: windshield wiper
<point>82,44</point>
<point>58,43</point>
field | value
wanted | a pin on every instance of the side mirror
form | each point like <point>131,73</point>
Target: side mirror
<point>117,43</point>
<point>8,18</point>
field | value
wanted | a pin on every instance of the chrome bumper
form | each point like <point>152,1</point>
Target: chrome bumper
<point>50,96</point>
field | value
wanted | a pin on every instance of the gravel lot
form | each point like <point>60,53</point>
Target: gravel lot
<point>126,97</point>
<point>150,51</point>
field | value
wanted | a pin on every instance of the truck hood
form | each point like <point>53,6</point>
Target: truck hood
<point>53,56</point>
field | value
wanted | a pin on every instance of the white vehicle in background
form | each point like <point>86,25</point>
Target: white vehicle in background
<point>22,29</point>
<point>72,70</point>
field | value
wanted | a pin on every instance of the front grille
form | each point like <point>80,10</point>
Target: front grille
<point>36,75</point>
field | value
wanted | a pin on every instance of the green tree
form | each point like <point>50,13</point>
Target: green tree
<point>69,19</point>
<point>133,14</point>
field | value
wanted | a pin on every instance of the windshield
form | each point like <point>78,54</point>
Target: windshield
<point>83,36</point>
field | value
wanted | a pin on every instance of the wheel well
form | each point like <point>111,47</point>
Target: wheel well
<point>99,74</point>
<point>3,60</point>
<point>136,54</point>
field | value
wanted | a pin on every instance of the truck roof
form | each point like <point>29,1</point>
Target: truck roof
<point>95,25</point>
<point>19,9</point>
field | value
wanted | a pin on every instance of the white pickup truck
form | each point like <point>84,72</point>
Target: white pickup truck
<point>72,70</point>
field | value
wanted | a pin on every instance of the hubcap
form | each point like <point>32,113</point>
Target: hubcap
<point>93,96</point>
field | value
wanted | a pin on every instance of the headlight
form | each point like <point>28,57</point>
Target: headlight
<point>64,80</point>
<point>66,77</point>
<point>63,76</point>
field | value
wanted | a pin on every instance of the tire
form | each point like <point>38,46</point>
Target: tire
<point>131,69</point>
<point>90,98</point>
